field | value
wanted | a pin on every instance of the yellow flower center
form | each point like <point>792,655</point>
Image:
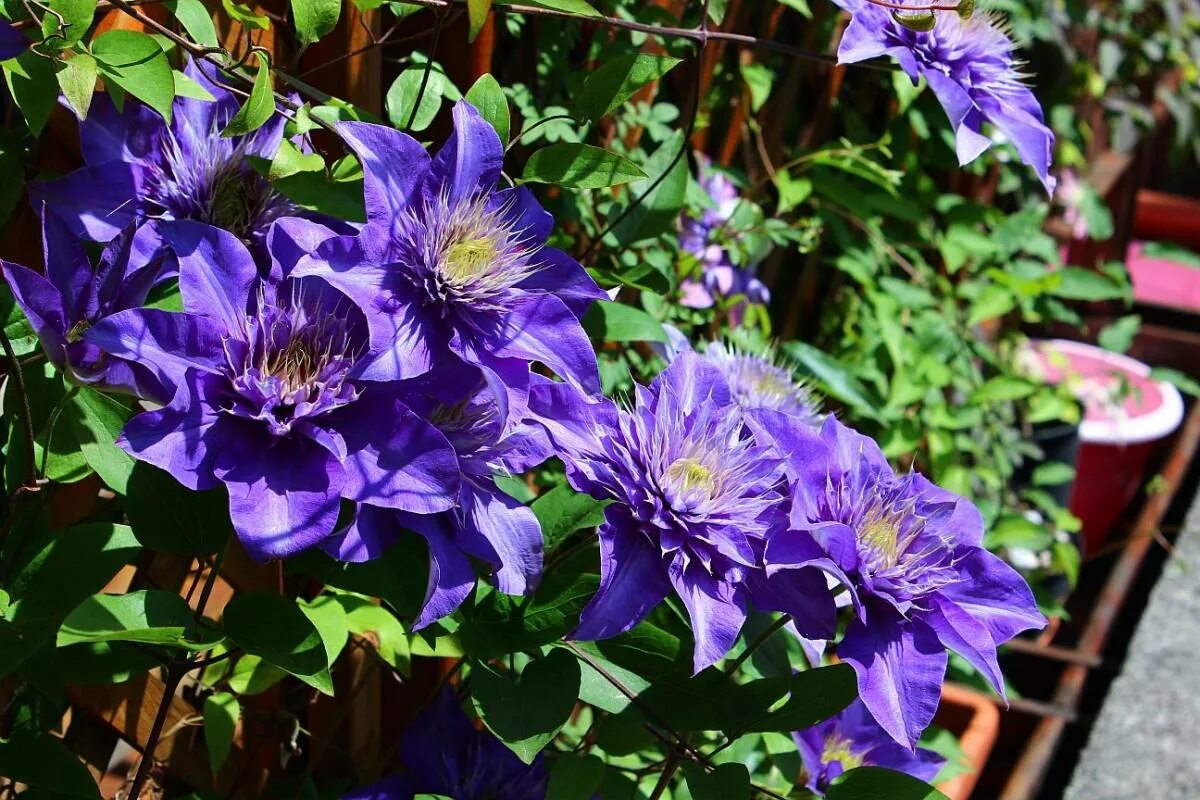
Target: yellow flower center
<point>469,259</point>
<point>838,750</point>
<point>78,330</point>
<point>879,532</point>
<point>689,474</point>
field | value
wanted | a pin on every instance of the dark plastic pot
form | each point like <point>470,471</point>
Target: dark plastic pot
<point>1059,443</point>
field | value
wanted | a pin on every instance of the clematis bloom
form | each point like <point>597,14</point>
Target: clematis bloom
<point>443,753</point>
<point>267,401</point>
<point>695,499</point>
<point>853,739</point>
<point>450,266</point>
<point>72,297</point>
<point>970,65</point>
<point>137,166</point>
<point>912,559</point>
<point>485,523</point>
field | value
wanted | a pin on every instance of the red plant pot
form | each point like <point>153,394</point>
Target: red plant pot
<point>1168,217</point>
<point>1126,414</point>
<point>1161,281</point>
<point>975,719</point>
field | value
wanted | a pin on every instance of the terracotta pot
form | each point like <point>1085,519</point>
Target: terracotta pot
<point>1167,217</point>
<point>975,719</point>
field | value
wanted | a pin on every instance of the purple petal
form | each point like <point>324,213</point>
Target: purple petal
<point>541,328</point>
<point>292,238</point>
<point>133,135</point>
<point>472,158</point>
<point>801,593</point>
<point>451,577</point>
<point>284,496</point>
<point>397,460</point>
<point>169,343</point>
<point>42,305</point>
<point>968,637</point>
<point>12,41</point>
<point>217,274</point>
<point>632,583</point>
<point>717,611</point>
<point>900,667</point>
<point>178,438</point>
<point>566,279</point>
<point>68,267</point>
<point>367,538</point>
<point>95,202</point>
<point>394,165</point>
<point>504,532</point>
<point>995,594</point>
<point>690,381</point>
<point>963,113</point>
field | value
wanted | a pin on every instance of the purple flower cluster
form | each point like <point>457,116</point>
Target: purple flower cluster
<point>728,504</point>
<point>341,385</point>
<point>971,67</point>
<point>700,235</point>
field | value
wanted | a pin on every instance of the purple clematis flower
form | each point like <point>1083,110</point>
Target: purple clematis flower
<point>719,277</point>
<point>12,41</point>
<point>911,556</point>
<point>70,298</point>
<point>449,265</point>
<point>267,401</point>
<point>970,66</point>
<point>695,499</point>
<point>442,753</point>
<point>760,382</point>
<point>486,523</point>
<point>139,167</point>
<point>854,739</point>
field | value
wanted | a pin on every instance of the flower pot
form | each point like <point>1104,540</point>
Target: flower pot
<point>1168,217</point>
<point>1161,281</point>
<point>1126,414</point>
<point>1059,443</point>
<point>975,719</point>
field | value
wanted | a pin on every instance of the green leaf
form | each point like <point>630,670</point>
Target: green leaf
<point>43,762</point>
<point>562,511</point>
<point>98,419</point>
<point>994,301</point>
<point>1118,337</point>
<point>477,14</point>
<point>195,19</point>
<point>617,322</point>
<point>186,87</point>
<point>136,62</point>
<point>579,166</point>
<point>607,88</point>
<point>759,79</point>
<point>315,18</point>
<point>290,161</point>
<point>221,712</point>
<point>77,78</point>
<point>575,777</point>
<point>835,378</point>
<point>379,626</point>
<point>329,618</point>
<point>398,577</point>
<point>489,100</point>
<point>658,212</point>
<point>1182,381</point>
<point>259,106</point>
<point>153,617</point>
<point>167,516</point>
<point>528,714</point>
<point>579,7</point>
<point>1053,474</point>
<point>252,675</point>
<point>406,91</point>
<point>77,16</point>
<point>815,695</point>
<point>1003,389</point>
<point>1077,283</point>
<point>274,628</point>
<point>873,783</point>
<point>727,782</point>
<point>246,15</point>
<point>33,87</point>
<point>66,567</point>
